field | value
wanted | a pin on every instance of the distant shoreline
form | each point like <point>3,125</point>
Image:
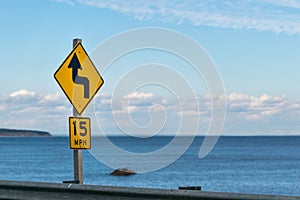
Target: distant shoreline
<point>4,132</point>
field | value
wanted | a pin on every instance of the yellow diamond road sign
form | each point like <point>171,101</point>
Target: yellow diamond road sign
<point>78,78</point>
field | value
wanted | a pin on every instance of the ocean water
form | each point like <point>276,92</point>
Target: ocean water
<point>262,165</point>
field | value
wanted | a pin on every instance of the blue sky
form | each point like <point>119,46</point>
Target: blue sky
<point>255,45</point>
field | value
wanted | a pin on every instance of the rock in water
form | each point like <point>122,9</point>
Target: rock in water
<point>122,172</point>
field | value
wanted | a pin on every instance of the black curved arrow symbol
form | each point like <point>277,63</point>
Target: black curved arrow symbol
<point>75,65</point>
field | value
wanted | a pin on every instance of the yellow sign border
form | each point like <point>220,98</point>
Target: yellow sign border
<point>62,88</point>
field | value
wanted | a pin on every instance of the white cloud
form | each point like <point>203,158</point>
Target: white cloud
<point>139,95</point>
<point>271,112</point>
<point>189,113</point>
<point>285,3</point>
<point>71,3</point>
<point>51,97</point>
<point>245,113</point>
<point>255,108</point>
<point>61,108</point>
<point>131,109</point>
<point>27,109</point>
<point>263,15</point>
<point>132,102</point>
<point>21,93</point>
<point>237,97</point>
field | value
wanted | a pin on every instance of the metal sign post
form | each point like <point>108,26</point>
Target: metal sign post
<point>77,154</point>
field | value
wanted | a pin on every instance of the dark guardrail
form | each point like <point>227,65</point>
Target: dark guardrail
<point>35,190</point>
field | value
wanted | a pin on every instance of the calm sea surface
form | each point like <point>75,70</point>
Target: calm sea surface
<point>264,165</point>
